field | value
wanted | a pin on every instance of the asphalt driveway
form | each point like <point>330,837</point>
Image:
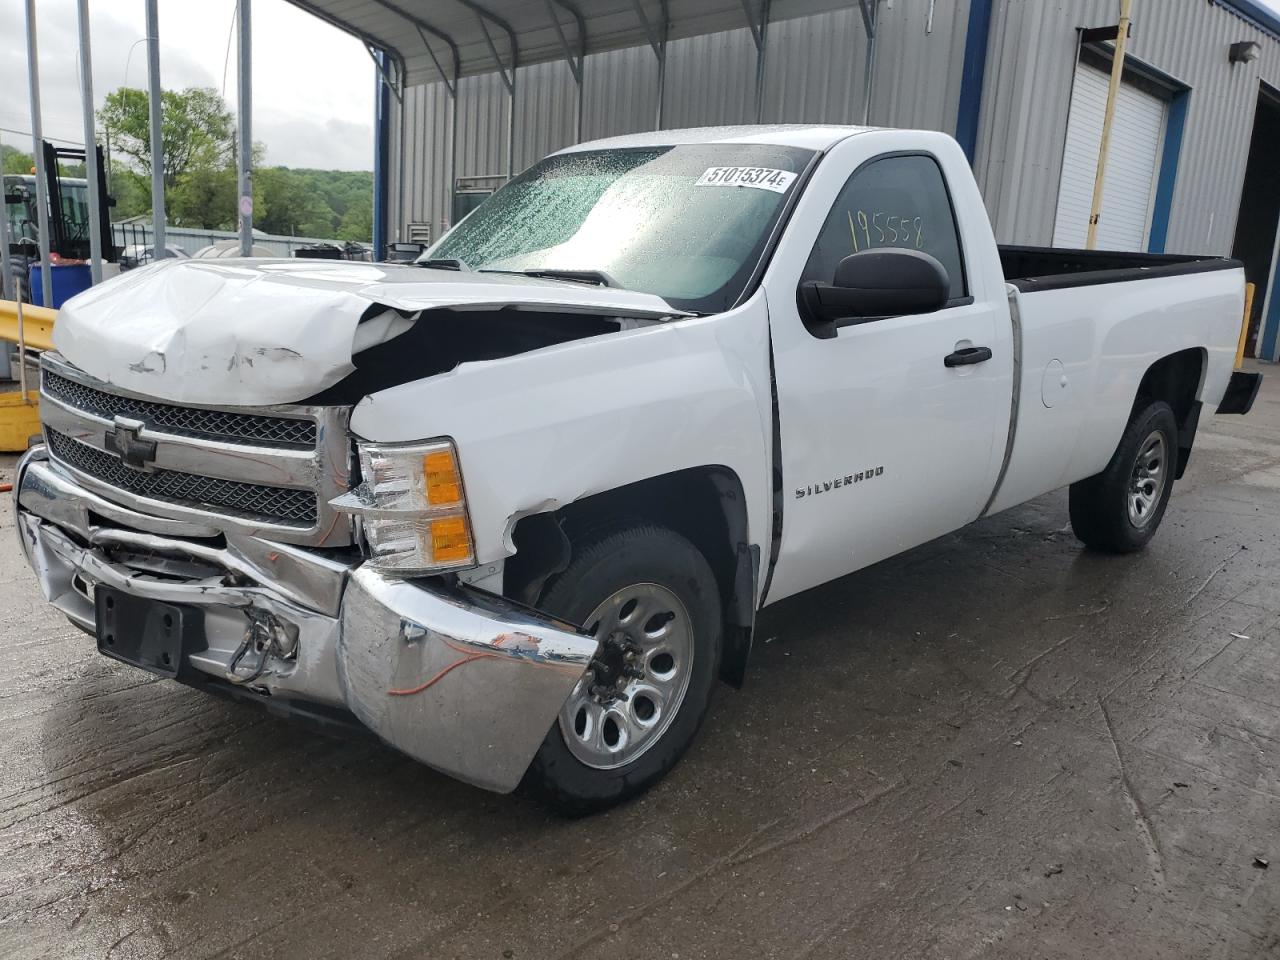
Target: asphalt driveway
<point>997,745</point>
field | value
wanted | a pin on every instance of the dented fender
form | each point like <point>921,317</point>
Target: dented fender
<point>539,431</point>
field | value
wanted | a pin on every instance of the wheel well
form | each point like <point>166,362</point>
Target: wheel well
<point>704,504</point>
<point>1176,380</point>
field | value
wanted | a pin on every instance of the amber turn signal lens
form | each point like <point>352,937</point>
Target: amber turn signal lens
<point>450,541</point>
<point>440,471</point>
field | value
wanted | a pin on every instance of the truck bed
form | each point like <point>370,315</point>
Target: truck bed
<point>1053,268</point>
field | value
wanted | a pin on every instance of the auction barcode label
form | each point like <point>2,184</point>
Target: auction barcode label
<point>762,178</point>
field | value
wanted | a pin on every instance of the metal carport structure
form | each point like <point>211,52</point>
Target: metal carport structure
<point>415,42</point>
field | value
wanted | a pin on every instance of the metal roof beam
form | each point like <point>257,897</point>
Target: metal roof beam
<point>756,26</point>
<point>508,78</point>
<point>868,8</point>
<point>382,69</point>
<point>759,33</point>
<point>656,41</point>
<point>486,17</point>
<point>369,39</point>
<point>423,28</point>
<point>450,83</point>
<point>575,63</point>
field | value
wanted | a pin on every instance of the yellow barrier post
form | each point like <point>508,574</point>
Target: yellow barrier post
<point>1249,290</point>
<point>37,324</point>
<point>19,420</point>
<point>28,327</point>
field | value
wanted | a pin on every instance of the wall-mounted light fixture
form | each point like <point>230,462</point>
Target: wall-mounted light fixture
<point>1246,51</point>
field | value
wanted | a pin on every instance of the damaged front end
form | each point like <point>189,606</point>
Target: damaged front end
<point>459,679</point>
<point>235,546</point>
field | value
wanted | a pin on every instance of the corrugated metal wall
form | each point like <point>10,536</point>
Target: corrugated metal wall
<point>814,73</point>
<point>1028,89</point>
<point>710,80</point>
<point>619,93</point>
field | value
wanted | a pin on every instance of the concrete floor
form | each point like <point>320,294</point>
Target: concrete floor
<point>997,745</point>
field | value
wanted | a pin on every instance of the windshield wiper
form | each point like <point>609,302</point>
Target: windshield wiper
<point>596,278</point>
<point>445,263</point>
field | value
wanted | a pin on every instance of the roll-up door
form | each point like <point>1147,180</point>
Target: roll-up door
<point>1132,165</point>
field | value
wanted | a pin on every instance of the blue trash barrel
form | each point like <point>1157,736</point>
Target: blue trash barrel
<point>68,280</point>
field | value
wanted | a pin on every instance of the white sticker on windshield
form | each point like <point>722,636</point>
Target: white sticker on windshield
<point>762,178</point>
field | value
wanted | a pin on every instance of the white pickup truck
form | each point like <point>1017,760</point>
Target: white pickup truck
<point>515,507</point>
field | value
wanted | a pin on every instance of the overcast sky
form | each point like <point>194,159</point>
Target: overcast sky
<point>312,84</point>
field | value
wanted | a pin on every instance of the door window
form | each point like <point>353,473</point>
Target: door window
<point>892,202</point>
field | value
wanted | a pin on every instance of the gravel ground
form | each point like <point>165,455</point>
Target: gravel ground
<point>996,745</point>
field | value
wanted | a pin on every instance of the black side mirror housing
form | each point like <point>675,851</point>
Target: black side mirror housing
<point>874,284</point>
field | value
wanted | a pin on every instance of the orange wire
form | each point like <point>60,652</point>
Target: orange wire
<point>467,657</point>
<point>441,675</point>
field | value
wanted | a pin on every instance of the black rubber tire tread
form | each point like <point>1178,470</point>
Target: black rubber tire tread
<point>605,560</point>
<point>1099,517</point>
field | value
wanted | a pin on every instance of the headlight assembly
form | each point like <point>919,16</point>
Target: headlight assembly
<point>413,508</point>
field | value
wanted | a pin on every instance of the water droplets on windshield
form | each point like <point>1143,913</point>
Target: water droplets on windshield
<point>639,216</point>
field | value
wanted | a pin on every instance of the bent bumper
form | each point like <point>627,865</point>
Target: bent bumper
<point>462,680</point>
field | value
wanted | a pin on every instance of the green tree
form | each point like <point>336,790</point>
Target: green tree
<point>131,192</point>
<point>194,122</point>
<point>14,160</point>
<point>357,222</point>
<point>206,194</point>
<point>291,204</point>
<point>201,183</point>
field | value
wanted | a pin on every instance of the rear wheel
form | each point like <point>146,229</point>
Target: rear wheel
<point>651,600</point>
<point>1119,509</point>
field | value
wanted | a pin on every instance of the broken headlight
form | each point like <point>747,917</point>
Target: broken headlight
<point>412,507</point>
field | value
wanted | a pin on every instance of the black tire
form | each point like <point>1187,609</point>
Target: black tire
<point>1100,514</point>
<point>604,563</point>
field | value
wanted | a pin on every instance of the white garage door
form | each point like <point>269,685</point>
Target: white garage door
<point>1132,166</point>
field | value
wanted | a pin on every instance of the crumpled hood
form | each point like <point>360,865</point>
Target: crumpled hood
<point>257,332</point>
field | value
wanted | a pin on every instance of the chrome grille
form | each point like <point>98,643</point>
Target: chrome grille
<point>256,501</point>
<point>263,471</point>
<point>222,425</point>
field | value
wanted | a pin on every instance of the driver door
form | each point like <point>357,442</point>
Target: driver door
<point>884,445</point>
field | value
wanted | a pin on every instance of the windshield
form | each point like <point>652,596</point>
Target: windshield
<point>21,213</point>
<point>75,209</point>
<point>688,223</point>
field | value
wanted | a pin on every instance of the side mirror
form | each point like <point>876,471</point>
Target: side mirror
<point>874,284</point>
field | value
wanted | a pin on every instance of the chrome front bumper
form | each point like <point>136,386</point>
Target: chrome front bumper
<point>462,680</point>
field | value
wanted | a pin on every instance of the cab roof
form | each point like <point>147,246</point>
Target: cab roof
<point>808,136</point>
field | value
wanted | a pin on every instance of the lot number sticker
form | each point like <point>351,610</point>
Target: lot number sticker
<point>762,178</point>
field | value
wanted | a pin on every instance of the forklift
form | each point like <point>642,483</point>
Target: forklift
<point>70,219</point>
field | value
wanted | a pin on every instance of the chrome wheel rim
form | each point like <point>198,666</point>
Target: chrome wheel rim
<point>1150,474</point>
<point>637,680</point>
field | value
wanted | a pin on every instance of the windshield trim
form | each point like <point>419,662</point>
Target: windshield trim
<point>756,276</point>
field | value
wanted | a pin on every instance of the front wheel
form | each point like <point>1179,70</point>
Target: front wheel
<point>651,600</point>
<point>1119,509</point>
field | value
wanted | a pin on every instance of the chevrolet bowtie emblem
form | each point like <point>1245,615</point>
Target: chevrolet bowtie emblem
<point>123,440</point>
